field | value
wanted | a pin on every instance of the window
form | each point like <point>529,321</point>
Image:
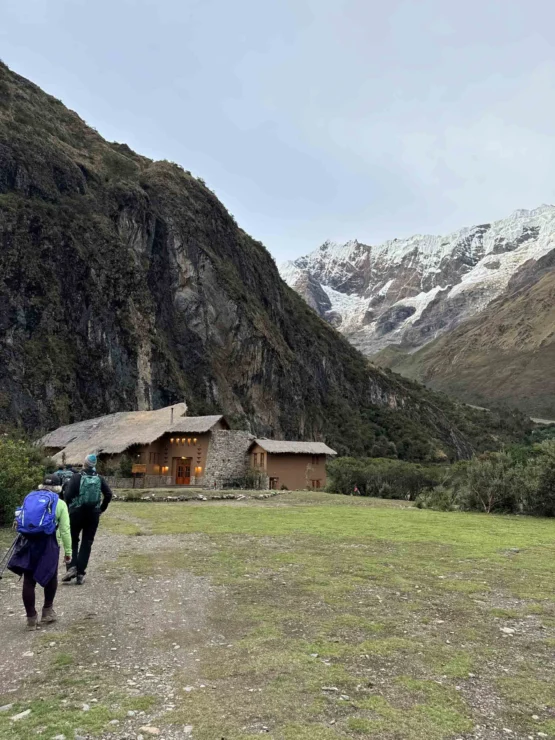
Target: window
<point>255,459</point>
<point>261,459</point>
<point>315,459</point>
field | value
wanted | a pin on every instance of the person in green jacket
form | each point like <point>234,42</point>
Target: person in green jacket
<point>36,558</point>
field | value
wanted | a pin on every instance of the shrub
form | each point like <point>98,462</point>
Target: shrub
<point>22,468</point>
<point>512,482</point>
<point>439,498</point>
<point>125,466</point>
<point>383,478</point>
<point>255,480</point>
<point>541,497</point>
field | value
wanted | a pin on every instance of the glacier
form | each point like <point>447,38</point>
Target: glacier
<point>407,292</point>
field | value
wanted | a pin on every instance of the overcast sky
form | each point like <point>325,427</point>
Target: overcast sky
<point>314,119</point>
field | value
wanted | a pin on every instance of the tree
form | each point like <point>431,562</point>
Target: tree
<point>22,468</point>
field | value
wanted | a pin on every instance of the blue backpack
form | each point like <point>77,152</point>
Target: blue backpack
<point>38,513</point>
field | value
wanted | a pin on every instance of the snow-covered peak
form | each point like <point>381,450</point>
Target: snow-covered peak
<point>413,277</point>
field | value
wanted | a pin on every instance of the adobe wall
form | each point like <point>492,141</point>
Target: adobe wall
<point>295,471</point>
<point>228,458</point>
<point>161,456</point>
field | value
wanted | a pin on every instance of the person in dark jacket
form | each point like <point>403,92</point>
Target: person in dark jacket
<point>87,497</point>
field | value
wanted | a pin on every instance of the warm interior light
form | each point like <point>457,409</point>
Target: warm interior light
<point>183,441</point>
<point>195,441</point>
<point>171,441</point>
<point>198,470</point>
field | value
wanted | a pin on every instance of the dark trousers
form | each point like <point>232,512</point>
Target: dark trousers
<point>29,585</point>
<point>84,523</point>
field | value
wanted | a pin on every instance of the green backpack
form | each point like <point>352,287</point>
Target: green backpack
<point>89,491</point>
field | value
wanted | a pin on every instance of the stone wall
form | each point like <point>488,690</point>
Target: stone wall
<point>146,481</point>
<point>228,460</point>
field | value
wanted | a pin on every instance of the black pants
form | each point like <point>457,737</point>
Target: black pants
<point>84,523</point>
<point>29,585</point>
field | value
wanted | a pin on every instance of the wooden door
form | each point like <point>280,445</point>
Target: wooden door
<point>183,473</point>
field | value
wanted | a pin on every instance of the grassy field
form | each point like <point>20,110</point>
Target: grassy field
<point>342,617</point>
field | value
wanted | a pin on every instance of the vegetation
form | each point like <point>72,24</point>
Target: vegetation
<point>518,481</point>
<point>382,478</point>
<point>22,468</point>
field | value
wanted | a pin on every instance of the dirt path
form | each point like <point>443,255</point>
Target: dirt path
<point>136,634</point>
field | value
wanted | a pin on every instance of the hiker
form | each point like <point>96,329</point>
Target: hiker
<point>87,496</point>
<point>65,474</point>
<point>42,523</point>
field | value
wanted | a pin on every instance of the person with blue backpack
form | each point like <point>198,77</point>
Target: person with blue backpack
<point>42,523</point>
<point>87,497</point>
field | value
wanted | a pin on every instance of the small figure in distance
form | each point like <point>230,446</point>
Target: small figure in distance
<point>42,523</point>
<point>356,492</point>
<point>87,496</point>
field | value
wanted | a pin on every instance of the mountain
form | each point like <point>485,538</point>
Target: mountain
<point>505,354</point>
<point>125,284</point>
<point>408,292</point>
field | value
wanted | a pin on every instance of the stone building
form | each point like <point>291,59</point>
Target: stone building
<point>186,450</point>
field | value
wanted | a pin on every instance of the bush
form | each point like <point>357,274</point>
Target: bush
<point>255,480</point>
<point>439,498</point>
<point>540,500</point>
<point>519,481</point>
<point>22,468</point>
<point>125,469</point>
<point>493,483</point>
<point>383,478</point>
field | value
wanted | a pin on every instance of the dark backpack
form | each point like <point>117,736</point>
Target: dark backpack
<point>90,491</point>
<point>38,513</point>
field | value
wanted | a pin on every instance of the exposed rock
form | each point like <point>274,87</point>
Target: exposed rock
<point>505,354</point>
<point>126,284</point>
<point>420,287</point>
<point>21,715</point>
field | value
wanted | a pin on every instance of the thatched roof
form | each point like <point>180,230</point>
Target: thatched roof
<point>195,424</point>
<point>279,447</point>
<point>115,433</point>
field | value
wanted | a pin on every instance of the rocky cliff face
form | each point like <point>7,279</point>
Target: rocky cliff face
<point>409,292</point>
<point>126,284</point>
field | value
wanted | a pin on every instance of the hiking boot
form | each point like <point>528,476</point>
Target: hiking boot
<point>48,615</point>
<point>32,623</point>
<point>80,580</point>
<point>70,575</point>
